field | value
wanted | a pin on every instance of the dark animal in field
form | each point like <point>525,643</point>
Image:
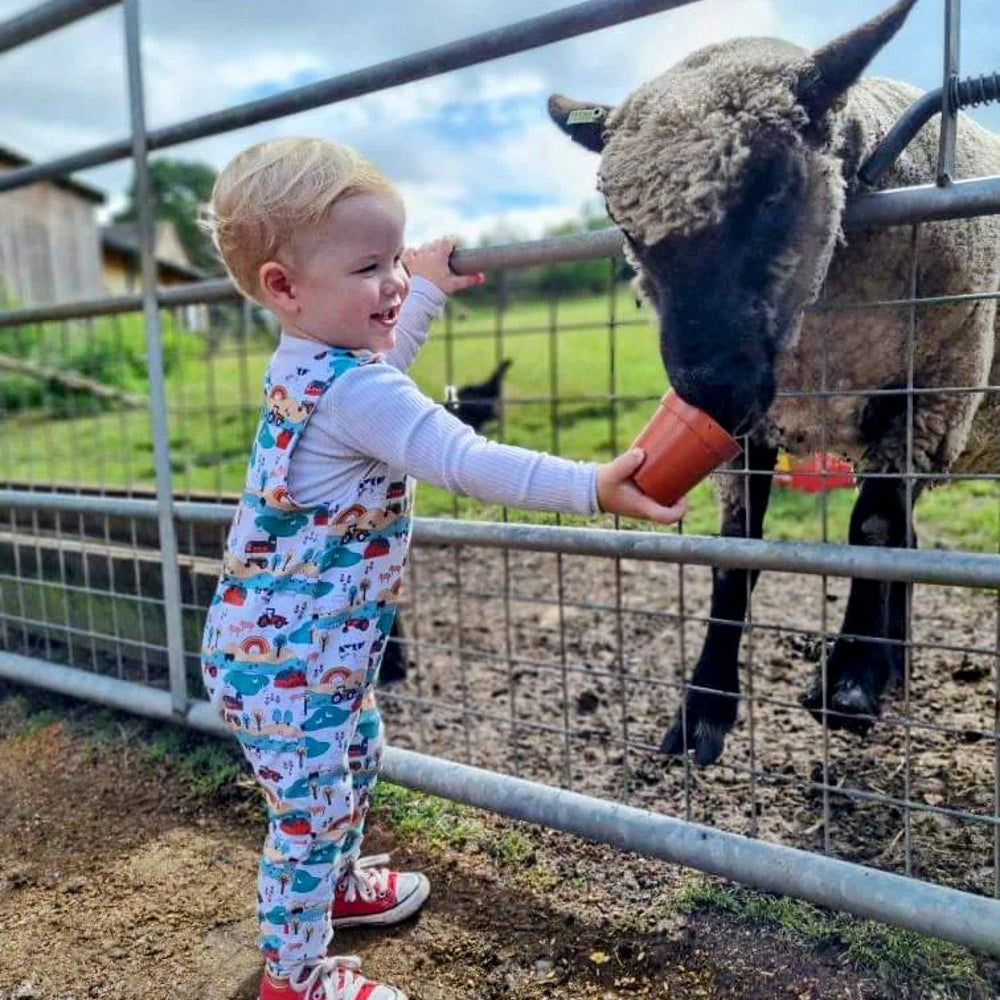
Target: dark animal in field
<point>474,405</point>
<point>394,660</point>
<point>477,404</point>
<point>728,175</point>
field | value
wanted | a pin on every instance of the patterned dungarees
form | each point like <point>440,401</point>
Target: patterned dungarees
<point>291,652</point>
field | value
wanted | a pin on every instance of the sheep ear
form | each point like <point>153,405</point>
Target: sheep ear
<point>833,68</point>
<point>583,123</point>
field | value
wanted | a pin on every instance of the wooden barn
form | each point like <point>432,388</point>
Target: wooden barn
<point>50,247</point>
<point>122,266</point>
<point>53,249</point>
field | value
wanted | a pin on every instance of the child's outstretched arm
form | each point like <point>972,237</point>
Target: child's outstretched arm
<point>432,282</point>
<point>375,411</point>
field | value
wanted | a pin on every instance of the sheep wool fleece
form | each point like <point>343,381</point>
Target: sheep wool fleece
<point>291,651</point>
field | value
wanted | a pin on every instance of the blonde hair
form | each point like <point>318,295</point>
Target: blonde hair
<point>274,190</point>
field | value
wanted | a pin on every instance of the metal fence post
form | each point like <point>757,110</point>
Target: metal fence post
<point>154,356</point>
<point>949,94</point>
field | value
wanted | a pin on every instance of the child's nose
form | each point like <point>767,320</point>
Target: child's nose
<point>395,284</point>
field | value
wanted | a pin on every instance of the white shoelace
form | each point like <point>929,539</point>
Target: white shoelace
<point>335,974</point>
<point>367,878</point>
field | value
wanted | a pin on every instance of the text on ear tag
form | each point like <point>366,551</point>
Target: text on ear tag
<point>584,116</point>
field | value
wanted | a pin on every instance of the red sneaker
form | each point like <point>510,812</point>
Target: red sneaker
<point>334,978</point>
<point>369,893</point>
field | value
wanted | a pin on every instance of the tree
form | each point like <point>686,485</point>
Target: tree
<point>179,189</point>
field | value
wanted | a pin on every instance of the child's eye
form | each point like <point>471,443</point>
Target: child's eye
<point>368,269</point>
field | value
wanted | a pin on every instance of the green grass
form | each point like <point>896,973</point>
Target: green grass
<point>431,821</point>
<point>209,765</point>
<point>214,402</point>
<point>893,955</point>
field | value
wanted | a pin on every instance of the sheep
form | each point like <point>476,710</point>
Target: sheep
<point>728,175</point>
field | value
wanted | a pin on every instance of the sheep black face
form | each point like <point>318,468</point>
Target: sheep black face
<point>722,311</point>
<point>721,175</point>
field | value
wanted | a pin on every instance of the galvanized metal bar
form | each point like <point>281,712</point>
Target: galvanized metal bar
<point>508,628</point>
<point>963,569</point>
<point>824,664</point>
<point>548,732</point>
<point>45,18</point>
<point>154,357</point>
<point>684,678</point>
<point>909,499</point>
<point>913,119</point>
<point>949,107</point>
<point>216,290</point>
<point>555,446</point>
<point>580,19</point>
<point>924,203</point>
<point>627,781</point>
<point>968,920</point>
<point>223,290</point>
<point>909,565</point>
<point>973,921</point>
<point>553,250</point>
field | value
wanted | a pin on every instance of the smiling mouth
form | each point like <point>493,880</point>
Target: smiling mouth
<point>388,317</point>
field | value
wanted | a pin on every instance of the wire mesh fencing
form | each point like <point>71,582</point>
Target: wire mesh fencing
<point>561,668</point>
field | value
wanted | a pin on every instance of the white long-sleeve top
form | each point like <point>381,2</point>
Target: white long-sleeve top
<point>375,413</point>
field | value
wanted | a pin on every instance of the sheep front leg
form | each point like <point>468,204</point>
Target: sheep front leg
<point>862,661</point>
<point>708,715</point>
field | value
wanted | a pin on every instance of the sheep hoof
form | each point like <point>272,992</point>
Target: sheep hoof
<point>850,706</point>
<point>706,740</point>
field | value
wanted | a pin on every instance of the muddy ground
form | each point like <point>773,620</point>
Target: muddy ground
<point>117,880</point>
<point>530,689</point>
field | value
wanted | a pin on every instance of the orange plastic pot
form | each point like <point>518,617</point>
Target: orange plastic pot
<point>682,445</point>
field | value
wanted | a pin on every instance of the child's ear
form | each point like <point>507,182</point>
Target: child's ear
<point>276,287</point>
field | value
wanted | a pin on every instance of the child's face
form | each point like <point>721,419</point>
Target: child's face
<point>348,275</point>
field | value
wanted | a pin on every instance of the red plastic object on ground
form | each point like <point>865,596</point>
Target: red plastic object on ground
<point>818,473</point>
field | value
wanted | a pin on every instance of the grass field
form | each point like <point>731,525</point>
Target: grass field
<point>583,392</point>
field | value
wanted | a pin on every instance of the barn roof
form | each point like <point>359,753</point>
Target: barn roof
<point>12,159</point>
<point>124,238</point>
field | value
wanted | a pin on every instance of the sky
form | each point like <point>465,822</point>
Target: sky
<point>472,151</point>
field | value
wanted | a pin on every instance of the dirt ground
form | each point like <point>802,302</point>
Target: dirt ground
<point>117,884</point>
<point>116,881</point>
<point>582,697</point>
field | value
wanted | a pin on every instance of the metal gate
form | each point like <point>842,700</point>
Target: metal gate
<point>530,643</point>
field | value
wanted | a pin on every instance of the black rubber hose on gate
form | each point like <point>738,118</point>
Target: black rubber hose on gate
<point>967,93</point>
